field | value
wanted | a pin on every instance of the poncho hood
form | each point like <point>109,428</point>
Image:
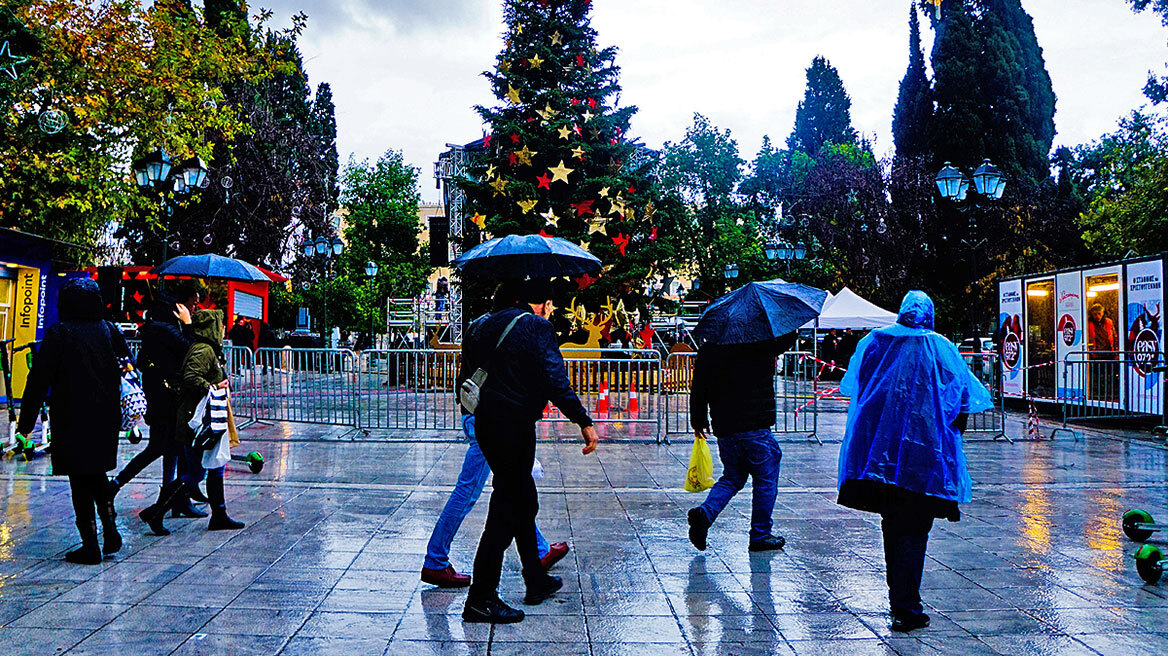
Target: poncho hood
<point>207,326</point>
<point>80,300</point>
<point>907,386</point>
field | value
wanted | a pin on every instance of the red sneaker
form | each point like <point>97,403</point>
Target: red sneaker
<point>445,578</point>
<point>556,553</point>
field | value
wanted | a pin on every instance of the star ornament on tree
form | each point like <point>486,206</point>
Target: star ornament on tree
<point>584,208</point>
<point>8,61</point>
<point>621,241</point>
<point>513,94</point>
<point>560,173</point>
<point>499,185</point>
<point>479,220</point>
<point>525,154</point>
<point>543,182</point>
<point>551,218</point>
<point>584,281</point>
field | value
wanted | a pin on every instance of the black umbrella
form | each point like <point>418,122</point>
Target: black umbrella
<point>758,312</point>
<point>211,266</point>
<point>526,256</point>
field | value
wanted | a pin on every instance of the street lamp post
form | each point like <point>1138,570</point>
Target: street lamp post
<point>325,251</point>
<point>157,173</point>
<point>786,251</point>
<point>730,271</point>
<point>989,184</point>
<point>371,272</point>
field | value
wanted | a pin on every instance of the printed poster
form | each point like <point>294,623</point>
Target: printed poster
<point>1145,301</point>
<point>1010,337</point>
<point>1069,335</point>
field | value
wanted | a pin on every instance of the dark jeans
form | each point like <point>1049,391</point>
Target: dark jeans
<point>906,534</point>
<point>194,475</point>
<point>509,447</point>
<point>755,454</point>
<point>88,492</point>
<point>160,445</point>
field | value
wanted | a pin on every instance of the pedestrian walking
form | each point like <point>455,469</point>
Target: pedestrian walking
<point>241,334</point>
<point>517,347</point>
<point>735,385</point>
<point>911,394</point>
<point>436,569</point>
<point>202,369</point>
<point>165,341</point>
<point>80,360</point>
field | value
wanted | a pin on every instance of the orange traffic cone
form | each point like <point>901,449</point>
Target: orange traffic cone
<point>547,410</point>
<point>602,402</point>
<point>634,405</point>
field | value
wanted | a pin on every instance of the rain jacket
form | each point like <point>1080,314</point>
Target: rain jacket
<point>202,369</point>
<point>79,359</point>
<point>164,345</point>
<point>908,386</point>
<point>737,385</point>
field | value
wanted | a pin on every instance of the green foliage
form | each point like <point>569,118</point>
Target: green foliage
<point>557,157</point>
<point>1156,88</point>
<point>825,114</point>
<point>1124,177</point>
<point>914,102</point>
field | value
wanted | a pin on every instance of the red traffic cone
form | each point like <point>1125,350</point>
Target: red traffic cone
<point>547,410</point>
<point>602,402</point>
<point>634,405</point>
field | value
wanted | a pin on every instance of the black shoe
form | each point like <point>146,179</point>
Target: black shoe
<point>87,554</point>
<point>197,495</point>
<point>153,515</point>
<point>769,543</point>
<point>698,527</point>
<point>183,508</point>
<point>221,521</point>
<point>492,611</point>
<point>906,623</point>
<point>541,589</point>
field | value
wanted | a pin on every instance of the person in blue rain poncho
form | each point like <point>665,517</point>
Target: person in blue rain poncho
<point>911,393</point>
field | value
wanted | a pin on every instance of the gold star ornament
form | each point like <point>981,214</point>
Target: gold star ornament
<point>513,94</point>
<point>560,172</point>
<point>499,185</point>
<point>535,61</point>
<point>557,38</point>
<point>525,155</point>
<point>565,133</point>
<point>479,220</point>
<point>551,218</point>
<point>526,205</point>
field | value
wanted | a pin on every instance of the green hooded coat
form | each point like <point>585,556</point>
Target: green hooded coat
<point>201,368</point>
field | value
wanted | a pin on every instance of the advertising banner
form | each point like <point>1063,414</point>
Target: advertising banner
<point>1010,337</point>
<point>1069,334</point>
<point>1145,300</point>
<point>27,313</point>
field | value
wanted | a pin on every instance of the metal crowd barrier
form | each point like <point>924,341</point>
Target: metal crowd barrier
<point>986,368</point>
<point>319,386</point>
<point>794,387</point>
<point>627,381</point>
<point>1111,385</point>
<point>408,389</point>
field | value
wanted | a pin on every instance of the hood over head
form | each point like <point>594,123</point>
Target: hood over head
<point>80,300</point>
<point>207,326</point>
<point>916,310</point>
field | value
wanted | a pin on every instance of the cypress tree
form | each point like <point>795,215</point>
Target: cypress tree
<point>824,115</point>
<point>323,126</point>
<point>914,103</point>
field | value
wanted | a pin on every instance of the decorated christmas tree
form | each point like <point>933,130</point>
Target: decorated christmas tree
<point>558,160</point>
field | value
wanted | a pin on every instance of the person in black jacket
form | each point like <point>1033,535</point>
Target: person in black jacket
<point>526,370</point>
<point>165,340</point>
<point>80,360</point>
<point>736,384</point>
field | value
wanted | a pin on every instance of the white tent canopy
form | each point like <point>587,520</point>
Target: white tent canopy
<point>848,310</point>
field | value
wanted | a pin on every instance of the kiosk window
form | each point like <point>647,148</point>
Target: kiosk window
<point>1102,336</point>
<point>1040,335</point>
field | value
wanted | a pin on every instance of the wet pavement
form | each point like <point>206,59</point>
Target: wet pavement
<point>336,529</point>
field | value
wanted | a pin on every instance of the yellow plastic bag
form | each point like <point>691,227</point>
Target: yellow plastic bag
<point>701,467</point>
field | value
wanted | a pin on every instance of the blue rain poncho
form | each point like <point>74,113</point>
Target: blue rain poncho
<point>907,385</point>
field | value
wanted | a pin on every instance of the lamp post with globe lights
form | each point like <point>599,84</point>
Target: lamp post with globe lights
<point>324,251</point>
<point>171,183</point>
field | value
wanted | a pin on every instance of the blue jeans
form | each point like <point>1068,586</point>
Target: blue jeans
<point>466,492</point>
<point>755,454</point>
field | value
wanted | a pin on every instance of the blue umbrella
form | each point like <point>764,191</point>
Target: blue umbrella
<point>526,256</point>
<point>758,312</point>
<point>210,266</point>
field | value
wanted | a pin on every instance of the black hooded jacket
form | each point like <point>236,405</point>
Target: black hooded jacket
<point>164,344</point>
<point>79,361</point>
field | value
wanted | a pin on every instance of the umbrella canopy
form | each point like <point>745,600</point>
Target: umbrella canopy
<point>210,266</point>
<point>758,312</point>
<point>526,256</point>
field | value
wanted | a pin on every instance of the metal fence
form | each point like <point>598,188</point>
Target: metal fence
<point>1111,385</point>
<point>318,386</point>
<point>796,410</point>
<point>986,368</point>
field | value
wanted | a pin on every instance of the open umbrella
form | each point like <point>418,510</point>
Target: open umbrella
<point>758,312</point>
<point>210,266</point>
<point>526,256</point>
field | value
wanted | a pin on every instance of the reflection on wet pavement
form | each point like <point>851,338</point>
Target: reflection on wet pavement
<point>336,529</point>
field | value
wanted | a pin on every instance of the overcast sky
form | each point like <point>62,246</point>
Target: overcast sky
<point>405,73</point>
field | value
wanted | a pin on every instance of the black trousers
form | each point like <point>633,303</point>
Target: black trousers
<point>906,535</point>
<point>509,448</point>
<point>88,493</point>
<point>160,445</point>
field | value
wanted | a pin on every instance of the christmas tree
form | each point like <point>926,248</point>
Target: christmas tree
<point>557,158</point>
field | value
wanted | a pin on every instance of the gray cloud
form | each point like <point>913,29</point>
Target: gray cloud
<point>404,16</point>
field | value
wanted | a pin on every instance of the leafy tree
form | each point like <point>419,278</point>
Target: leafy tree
<point>121,76</point>
<point>914,102</point>
<point>824,115</point>
<point>1156,88</point>
<point>557,158</point>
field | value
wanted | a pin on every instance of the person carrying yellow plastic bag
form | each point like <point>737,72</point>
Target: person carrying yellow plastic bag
<point>701,467</point>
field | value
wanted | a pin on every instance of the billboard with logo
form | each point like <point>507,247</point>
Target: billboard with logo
<point>1011,338</point>
<point>1068,334</point>
<point>1144,332</point>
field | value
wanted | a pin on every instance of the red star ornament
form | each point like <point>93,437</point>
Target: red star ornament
<point>621,241</point>
<point>606,331</point>
<point>580,60</point>
<point>512,159</point>
<point>653,235</point>
<point>646,336</point>
<point>544,182</point>
<point>583,208</point>
<point>487,140</point>
<point>544,233</point>
<point>583,281</point>
<point>632,189</point>
<point>515,138</point>
<point>592,103</point>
